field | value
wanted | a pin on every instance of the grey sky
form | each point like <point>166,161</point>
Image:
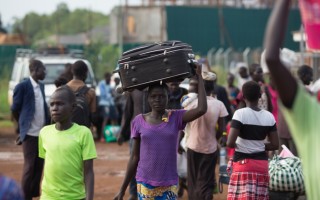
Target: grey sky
<point>9,9</point>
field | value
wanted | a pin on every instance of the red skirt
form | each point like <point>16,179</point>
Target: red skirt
<point>249,180</point>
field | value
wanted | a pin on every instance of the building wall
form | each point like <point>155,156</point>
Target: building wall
<point>139,25</point>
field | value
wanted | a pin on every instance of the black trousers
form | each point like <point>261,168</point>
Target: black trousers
<point>201,175</point>
<point>32,168</point>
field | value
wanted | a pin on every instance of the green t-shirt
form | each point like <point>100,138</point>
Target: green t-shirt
<point>304,123</point>
<point>64,153</point>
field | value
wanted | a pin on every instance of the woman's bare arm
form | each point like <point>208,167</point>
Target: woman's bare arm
<point>201,109</point>
<point>232,137</point>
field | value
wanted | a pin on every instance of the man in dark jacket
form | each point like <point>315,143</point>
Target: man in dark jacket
<point>30,110</point>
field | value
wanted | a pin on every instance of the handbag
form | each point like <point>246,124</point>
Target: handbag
<point>286,174</point>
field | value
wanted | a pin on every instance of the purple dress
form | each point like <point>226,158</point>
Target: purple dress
<point>158,149</point>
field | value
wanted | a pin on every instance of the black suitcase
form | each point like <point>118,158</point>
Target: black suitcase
<point>147,64</point>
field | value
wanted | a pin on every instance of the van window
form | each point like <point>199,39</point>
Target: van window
<point>53,71</point>
<point>16,72</point>
<point>25,71</point>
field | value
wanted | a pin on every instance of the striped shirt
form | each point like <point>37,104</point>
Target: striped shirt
<point>254,126</point>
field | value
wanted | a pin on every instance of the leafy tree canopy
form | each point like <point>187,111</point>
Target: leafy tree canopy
<point>61,21</point>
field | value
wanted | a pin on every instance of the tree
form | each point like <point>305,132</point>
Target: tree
<point>103,57</point>
<point>61,21</point>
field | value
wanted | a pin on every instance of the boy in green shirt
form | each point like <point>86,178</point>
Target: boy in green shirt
<point>68,150</point>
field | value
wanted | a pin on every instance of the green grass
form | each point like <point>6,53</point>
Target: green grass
<point>4,105</point>
<point>4,84</point>
<point>221,74</point>
<point>6,123</point>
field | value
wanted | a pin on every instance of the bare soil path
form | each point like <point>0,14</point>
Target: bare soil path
<point>109,168</point>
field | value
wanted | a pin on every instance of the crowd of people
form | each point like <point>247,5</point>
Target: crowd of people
<point>253,115</point>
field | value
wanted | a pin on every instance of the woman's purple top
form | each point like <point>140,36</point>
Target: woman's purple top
<point>158,149</point>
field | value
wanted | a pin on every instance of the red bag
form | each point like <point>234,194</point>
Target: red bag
<point>310,12</point>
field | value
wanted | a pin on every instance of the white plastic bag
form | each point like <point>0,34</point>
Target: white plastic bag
<point>182,165</point>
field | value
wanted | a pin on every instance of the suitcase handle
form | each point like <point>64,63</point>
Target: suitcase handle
<point>170,43</point>
<point>155,53</point>
<point>193,67</point>
<point>152,49</point>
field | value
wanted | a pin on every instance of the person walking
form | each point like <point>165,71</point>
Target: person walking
<point>256,74</point>
<point>65,76</point>
<point>80,73</point>
<point>106,101</point>
<point>305,74</point>
<point>249,128</point>
<point>119,99</point>
<point>135,104</point>
<point>175,94</point>
<point>30,110</point>
<point>243,76</point>
<point>233,92</point>
<point>68,150</point>
<point>300,109</point>
<point>221,94</point>
<point>202,145</point>
<point>155,144</point>
<point>284,134</point>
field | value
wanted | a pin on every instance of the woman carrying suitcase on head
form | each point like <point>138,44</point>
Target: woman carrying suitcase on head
<point>155,143</point>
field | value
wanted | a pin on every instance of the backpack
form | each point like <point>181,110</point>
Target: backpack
<point>81,112</point>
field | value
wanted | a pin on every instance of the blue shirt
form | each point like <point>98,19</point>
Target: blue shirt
<point>106,98</point>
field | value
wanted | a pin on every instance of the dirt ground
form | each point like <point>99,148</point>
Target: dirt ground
<point>109,168</point>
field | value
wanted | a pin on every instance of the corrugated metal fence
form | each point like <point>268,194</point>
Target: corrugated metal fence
<point>7,55</point>
<point>211,27</point>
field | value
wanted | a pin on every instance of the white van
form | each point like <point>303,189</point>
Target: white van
<point>54,63</point>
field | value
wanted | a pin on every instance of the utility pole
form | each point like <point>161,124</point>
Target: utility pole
<point>58,29</point>
<point>221,23</point>
<point>25,29</point>
<point>89,26</point>
<point>120,28</point>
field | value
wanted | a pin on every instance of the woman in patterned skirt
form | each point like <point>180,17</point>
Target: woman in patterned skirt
<point>249,128</point>
<point>155,145</point>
